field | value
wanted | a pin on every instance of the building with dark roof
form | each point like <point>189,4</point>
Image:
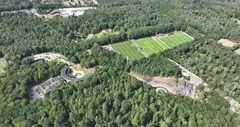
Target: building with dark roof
<point>189,88</point>
<point>184,88</point>
<point>50,84</point>
<point>65,73</point>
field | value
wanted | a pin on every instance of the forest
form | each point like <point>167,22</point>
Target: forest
<point>7,5</point>
<point>111,97</point>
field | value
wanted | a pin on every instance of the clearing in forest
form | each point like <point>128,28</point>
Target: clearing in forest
<point>168,83</point>
<point>3,64</point>
<point>140,48</point>
<point>237,51</point>
<point>236,20</point>
<point>227,43</point>
<point>107,48</point>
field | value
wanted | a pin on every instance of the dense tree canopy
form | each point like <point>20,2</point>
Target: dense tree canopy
<point>111,97</point>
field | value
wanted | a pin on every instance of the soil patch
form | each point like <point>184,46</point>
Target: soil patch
<point>107,48</point>
<point>227,43</point>
<point>166,82</point>
<point>237,51</point>
<point>236,20</point>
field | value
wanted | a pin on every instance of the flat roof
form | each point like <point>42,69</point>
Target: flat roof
<point>181,82</point>
<point>50,84</point>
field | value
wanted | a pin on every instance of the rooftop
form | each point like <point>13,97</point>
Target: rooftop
<point>50,84</point>
<point>65,74</point>
<point>181,83</point>
<point>185,74</point>
<point>184,88</point>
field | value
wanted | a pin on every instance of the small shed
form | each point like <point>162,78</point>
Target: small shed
<point>185,74</point>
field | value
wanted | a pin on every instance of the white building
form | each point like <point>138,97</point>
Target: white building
<point>66,12</point>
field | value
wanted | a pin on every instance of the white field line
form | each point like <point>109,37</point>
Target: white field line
<point>188,35</point>
<point>164,43</point>
<point>139,47</point>
<point>144,54</point>
<point>112,48</point>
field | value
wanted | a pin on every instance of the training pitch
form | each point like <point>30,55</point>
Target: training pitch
<point>137,49</point>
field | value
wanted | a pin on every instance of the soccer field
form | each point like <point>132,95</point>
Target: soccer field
<point>127,49</point>
<point>177,39</point>
<point>140,48</point>
<point>150,46</point>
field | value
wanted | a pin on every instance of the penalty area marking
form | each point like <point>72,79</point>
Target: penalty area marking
<point>188,35</point>
<point>164,43</point>
<point>138,47</point>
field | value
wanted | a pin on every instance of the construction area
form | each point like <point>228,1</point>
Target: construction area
<point>227,43</point>
<point>185,86</point>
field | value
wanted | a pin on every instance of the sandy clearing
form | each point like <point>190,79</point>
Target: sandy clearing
<point>237,20</point>
<point>237,51</point>
<point>227,43</point>
<point>107,48</point>
<point>156,81</point>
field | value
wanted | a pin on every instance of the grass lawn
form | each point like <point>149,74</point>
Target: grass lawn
<point>85,71</point>
<point>127,49</point>
<point>149,45</point>
<point>177,39</point>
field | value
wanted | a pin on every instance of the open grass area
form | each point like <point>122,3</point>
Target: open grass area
<point>177,39</point>
<point>149,46</point>
<point>137,49</point>
<point>127,49</point>
<point>85,71</point>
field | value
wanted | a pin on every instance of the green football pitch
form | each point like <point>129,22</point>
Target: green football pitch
<point>127,49</point>
<point>137,49</point>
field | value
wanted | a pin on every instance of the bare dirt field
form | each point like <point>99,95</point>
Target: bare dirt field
<point>227,43</point>
<point>166,82</point>
<point>236,20</point>
<point>91,70</point>
<point>237,51</point>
